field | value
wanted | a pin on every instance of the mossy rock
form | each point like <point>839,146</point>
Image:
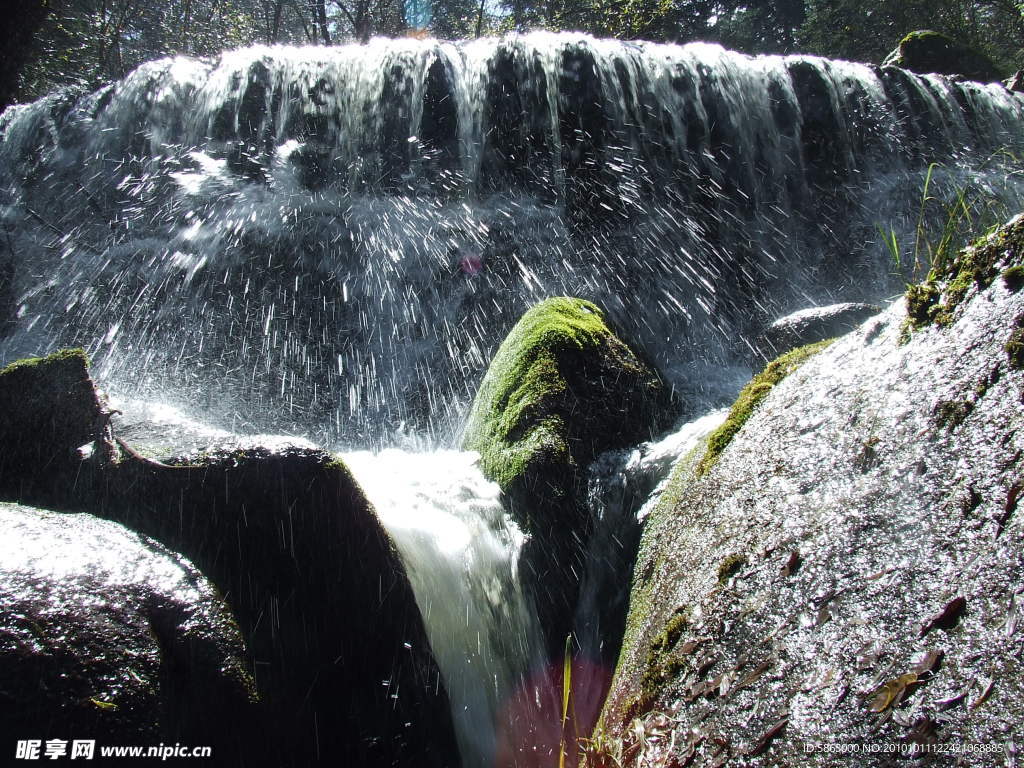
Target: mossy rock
<point>561,389</point>
<point>950,281</point>
<point>50,409</point>
<point>926,51</point>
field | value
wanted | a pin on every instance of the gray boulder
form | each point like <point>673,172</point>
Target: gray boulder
<point>334,635</point>
<point>808,326</point>
<point>926,51</point>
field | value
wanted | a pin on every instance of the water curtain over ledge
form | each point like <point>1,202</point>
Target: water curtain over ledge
<point>335,240</point>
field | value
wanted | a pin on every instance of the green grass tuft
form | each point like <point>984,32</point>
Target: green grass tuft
<point>1015,349</point>
<point>951,280</point>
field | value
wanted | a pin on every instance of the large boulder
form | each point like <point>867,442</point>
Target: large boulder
<point>925,51</point>
<point>343,660</point>
<point>847,570</point>
<point>106,635</point>
<point>336,641</point>
<point>561,389</point>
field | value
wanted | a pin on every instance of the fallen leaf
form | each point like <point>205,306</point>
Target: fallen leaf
<point>867,656</point>
<point>930,663</point>
<point>944,704</point>
<point>986,692</point>
<point>924,732</point>
<point>691,645</point>
<point>844,691</point>
<point>1012,617</point>
<point>106,706</point>
<point>947,618</point>
<point>753,675</point>
<point>769,736</point>
<point>1012,497</point>
<point>892,692</point>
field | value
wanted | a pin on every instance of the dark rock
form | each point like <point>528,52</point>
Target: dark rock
<point>926,51</point>
<point>7,304</point>
<point>562,389</point>
<point>49,410</point>
<point>808,326</point>
<point>342,658</point>
<point>339,652</point>
<point>1016,83</point>
<point>905,524</point>
<point>106,635</point>
<point>244,161</point>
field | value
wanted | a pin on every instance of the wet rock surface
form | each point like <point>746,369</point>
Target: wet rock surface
<point>107,635</point>
<point>340,653</point>
<point>849,571</point>
<point>50,409</point>
<point>808,326</point>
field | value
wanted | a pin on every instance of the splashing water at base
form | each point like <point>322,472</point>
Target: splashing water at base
<point>623,488</point>
<point>460,550</point>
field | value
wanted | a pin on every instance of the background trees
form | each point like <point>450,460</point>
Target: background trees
<point>51,43</point>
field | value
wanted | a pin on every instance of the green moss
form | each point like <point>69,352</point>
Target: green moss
<point>952,413</point>
<point>76,355</point>
<point>1015,349</point>
<point>950,282</point>
<point>671,632</point>
<point>751,397</point>
<point>521,383</point>
<point>1014,277</point>
<point>927,51</point>
<point>561,389</point>
<point>730,566</point>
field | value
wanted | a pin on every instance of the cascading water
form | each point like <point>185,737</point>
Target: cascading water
<point>460,550</point>
<point>333,242</point>
<point>622,488</point>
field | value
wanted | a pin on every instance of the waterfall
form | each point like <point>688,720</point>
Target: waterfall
<point>622,489</point>
<point>333,241</point>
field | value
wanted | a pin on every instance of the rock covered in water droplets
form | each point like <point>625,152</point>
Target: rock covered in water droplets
<point>335,639</point>
<point>926,51</point>
<point>810,325</point>
<point>342,658</point>
<point>849,570</point>
<point>106,635</point>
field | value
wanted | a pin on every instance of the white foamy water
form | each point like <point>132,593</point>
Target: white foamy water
<point>460,550</point>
